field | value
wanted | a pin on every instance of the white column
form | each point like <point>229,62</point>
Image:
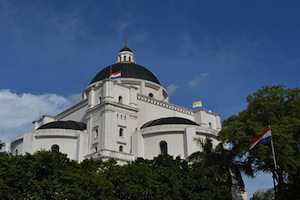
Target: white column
<point>107,91</point>
<point>218,121</point>
<point>137,144</point>
<point>190,145</point>
<point>133,97</point>
<point>92,97</point>
<point>27,143</point>
<point>82,146</point>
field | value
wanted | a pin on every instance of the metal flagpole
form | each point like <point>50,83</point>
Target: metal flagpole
<point>109,71</point>
<point>273,152</point>
<point>275,177</point>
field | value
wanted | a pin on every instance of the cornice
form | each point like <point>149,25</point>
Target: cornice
<point>112,103</point>
<point>164,104</point>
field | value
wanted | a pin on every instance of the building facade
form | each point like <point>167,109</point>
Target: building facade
<point>124,114</point>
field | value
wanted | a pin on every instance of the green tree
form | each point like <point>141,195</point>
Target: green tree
<point>227,168</point>
<point>51,175</point>
<point>1,144</point>
<point>280,108</point>
<point>263,195</point>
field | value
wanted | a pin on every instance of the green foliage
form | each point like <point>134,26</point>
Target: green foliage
<point>280,108</point>
<point>51,175</point>
<point>1,144</point>
<point>222,163</point>
<point>264,195</point>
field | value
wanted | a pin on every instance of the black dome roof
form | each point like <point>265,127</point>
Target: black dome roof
<point>64,125</point>
<point>128,70</point>
<point>126,48</point>
<point>169,120</point>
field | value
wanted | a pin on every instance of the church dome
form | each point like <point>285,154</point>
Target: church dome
<point>169,120</point>
<point>73,125</point>
<point>127,66</point>
<point>128,70</point>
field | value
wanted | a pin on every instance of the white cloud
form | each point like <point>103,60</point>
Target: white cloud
<point>198,78</point>
<point>172,89</point>
<point>17,111</point>
<point>75,98</point>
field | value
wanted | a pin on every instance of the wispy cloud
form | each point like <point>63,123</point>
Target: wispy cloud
<point>17,111</point>
<point>172,89</point>
<point>75,98</point>
<point>69,25</point>
<point>198,79</point>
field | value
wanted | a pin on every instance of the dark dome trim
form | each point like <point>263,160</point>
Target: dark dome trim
<point>169,120</point>
<point>72,125</point>
<point>128,70</point>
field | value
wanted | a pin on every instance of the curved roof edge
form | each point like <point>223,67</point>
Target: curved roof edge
<point>128,70</point>
<point>169,120</point>
<point>72,125</point>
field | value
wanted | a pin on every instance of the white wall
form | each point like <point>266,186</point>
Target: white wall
<point>174,140</point>
<point>149,111</point>
<point>66,145</point>
<point>17,145</point>
<point>78,115</point>
<point>70,142</point>
<point>204,118</point>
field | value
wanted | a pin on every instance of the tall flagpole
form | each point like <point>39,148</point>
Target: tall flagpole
<point>273,152</point>
<point>275,177</point>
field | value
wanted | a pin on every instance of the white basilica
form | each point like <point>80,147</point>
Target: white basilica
<point>121,118</point>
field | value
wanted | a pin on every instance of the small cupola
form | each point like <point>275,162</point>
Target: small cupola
<point>126,54</point>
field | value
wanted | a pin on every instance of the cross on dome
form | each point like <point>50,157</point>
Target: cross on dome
<point>125,54</point>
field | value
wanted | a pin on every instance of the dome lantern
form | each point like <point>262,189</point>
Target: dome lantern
<point>125,54</point>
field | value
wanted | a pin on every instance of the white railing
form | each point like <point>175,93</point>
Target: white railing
<point>106,154</point>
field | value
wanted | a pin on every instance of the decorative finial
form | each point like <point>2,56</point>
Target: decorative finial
<point>126,40</point>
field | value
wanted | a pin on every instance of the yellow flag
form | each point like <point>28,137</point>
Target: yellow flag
<point>197,104</point>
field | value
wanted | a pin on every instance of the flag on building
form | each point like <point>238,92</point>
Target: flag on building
<point>265,137</point>
<point>197,104</point>
<point>115,75</point>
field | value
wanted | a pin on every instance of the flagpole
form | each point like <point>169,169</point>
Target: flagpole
<point>273,152</point>
<point>109,71</point>
<point>275,177</point>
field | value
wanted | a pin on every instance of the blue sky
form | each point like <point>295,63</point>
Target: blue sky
<point>214,51</point>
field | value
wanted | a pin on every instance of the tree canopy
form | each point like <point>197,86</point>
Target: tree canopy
<point>280,108</point>
<point>263,195</point>
<point>1,144</point>
<point>51,175</point>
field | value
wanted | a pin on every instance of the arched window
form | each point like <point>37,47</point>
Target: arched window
<point>121,132</point>
<point>151,95</point>
<point>121,148</point>
<point>96,148</point>
<point>16,152</point>
<point>120,99</point>
<point>124,58</point>
<point>55,147</point>
<point>96,133</point>
<point>209,124</point>
<point>119,58</point>
<point>163,147</point>
<point>129,59</point>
